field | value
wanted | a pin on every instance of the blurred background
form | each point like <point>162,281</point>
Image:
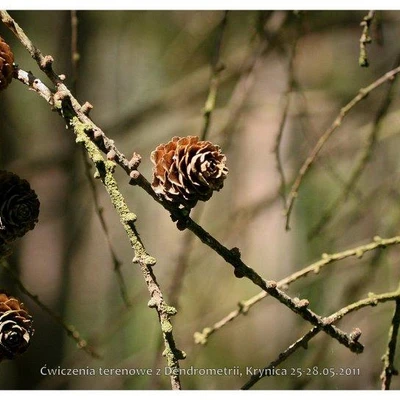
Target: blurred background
<point>147,75</point>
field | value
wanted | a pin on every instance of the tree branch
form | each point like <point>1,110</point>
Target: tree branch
<point>362,94</point>
<point>326,259</point>
<point>372,300</point>
<point>365,39</point>
<point>216,69</point>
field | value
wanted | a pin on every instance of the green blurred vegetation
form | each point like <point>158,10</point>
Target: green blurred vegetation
<point>147,76</point>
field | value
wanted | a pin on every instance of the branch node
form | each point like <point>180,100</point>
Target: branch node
<point>355,334</point>
<point>359,253</point>
<point>166,327</point>
<point>152,303</point>
<point>236,252</point>
<point>134,175</point>
<point>243,307</point>
<point>271,284</point>
<point>47,63</point>
<point>303,303</point>
<point>179,354</point>
<point>182,223</point>
<point>129,218</point>
<point>97,134</point>
<point>111,155</point>
<point>202,337</point>
<point>86,108</point>
<point>170,310</point>
<point>238,272</point>
<point>135,161</point>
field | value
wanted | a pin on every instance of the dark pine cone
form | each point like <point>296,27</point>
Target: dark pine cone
<point>15,327</point>
<point>19,207</point>
<point>187,170</point>
<point>6,64</point>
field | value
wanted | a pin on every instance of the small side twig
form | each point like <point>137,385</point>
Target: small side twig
<point>299,307</point>
<point>70,329</point>
<point>362,94</point>
<point>389,369</point>
<point>365,39</point>
<point>285,109</point>
<point>216,69</point>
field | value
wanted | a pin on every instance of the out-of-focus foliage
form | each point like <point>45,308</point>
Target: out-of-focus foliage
<point>147,75</point>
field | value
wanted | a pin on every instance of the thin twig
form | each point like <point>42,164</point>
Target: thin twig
<point>307,129</point>
<point>287,97</point>
<point>216,69</point>
<point>389,369</point>
<point>363,160</point>
<point>297,306</point>
<point>372,300</point>
<point>326,259</point>
<point>70,329</point>
<point>362,94</point>
<point>365,39</point>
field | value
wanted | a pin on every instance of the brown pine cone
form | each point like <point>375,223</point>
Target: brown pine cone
<point>15,327</point>
<point>19,207</point>
<point>187,170</point>
<point>6,64</point>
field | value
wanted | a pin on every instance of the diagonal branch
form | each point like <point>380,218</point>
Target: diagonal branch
<point>286,99</point>
<point>326,259</point>
<point>362,94</point>
<point>365,39</point>
<point>371,301</point>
